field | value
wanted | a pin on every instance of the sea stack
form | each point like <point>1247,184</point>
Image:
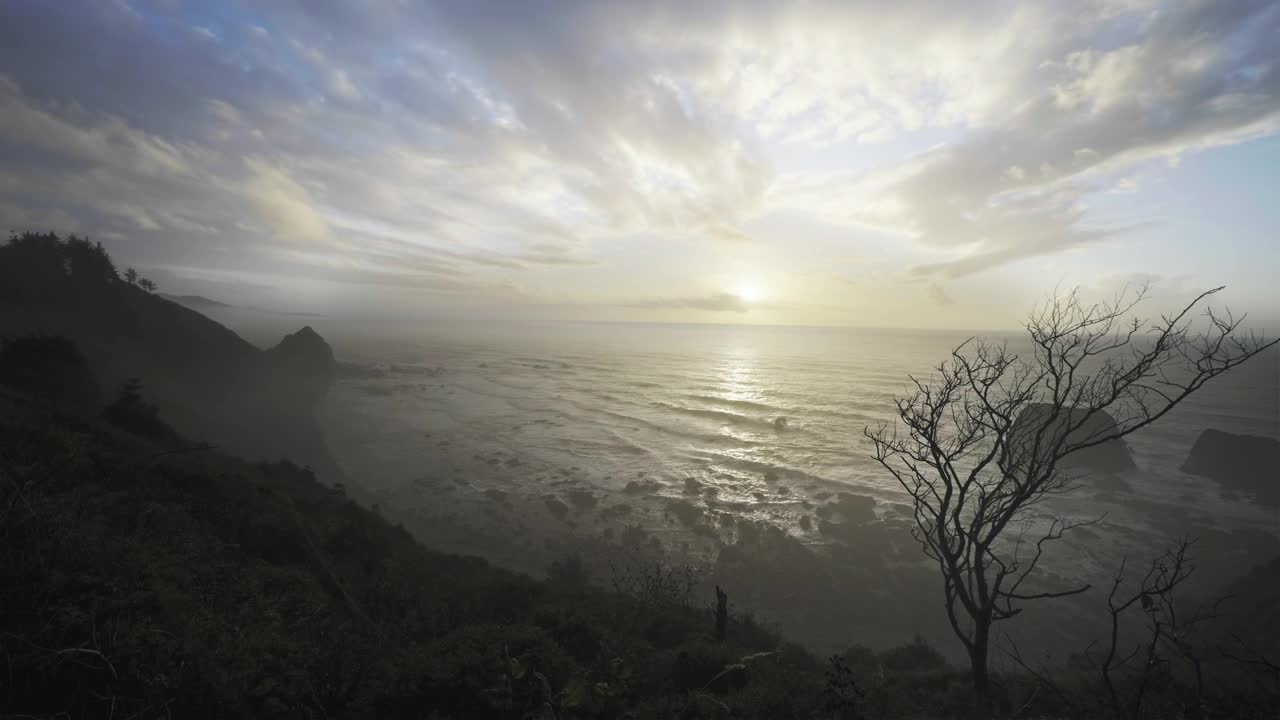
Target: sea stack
<point>1242,463</point>
<point>1111,456</point>
<point>305,361</point>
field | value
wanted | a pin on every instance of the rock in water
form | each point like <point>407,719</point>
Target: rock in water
<point>306,361</point>
<point>1109,457</point>
<point>1244,463</point>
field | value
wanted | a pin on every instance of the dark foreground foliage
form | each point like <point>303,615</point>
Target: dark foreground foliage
<point>142,575</point>
<point>52,370</point>
<point>137,580</point>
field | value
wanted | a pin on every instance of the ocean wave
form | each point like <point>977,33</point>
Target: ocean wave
<point>744,404</point>
<point>870,416</point>
<point>586,447</point>
<point>595,368</point>
<point>706,438</point>
<point>760,468</point>
<point>720,415</point>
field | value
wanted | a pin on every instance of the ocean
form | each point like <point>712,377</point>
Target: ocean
<point>522,443</point>
<point>764,418</point>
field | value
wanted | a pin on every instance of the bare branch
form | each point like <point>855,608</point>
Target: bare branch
<point>990,436</point>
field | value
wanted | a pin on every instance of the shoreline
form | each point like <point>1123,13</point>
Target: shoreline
<point>856,572</point>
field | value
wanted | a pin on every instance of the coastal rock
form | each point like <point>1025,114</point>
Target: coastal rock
<point>1109,457</point>
<point>206,381</point>
<point>1243,463</point>
<point>305,352</point>
<point>306,360</point>
<point>850,508</point>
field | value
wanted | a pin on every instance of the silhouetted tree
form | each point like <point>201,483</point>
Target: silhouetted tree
<point>1158,669</point>
<point>131,276</point>
<point>1166,631</point>
<point>31,264</point>
<point>87,262</point>
<point>842,693</point>
<point>131,412</point>
<point>146,284</point>
<point>42,267</point>
<point>984,441</point>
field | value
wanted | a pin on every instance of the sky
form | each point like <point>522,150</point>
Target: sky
<point>903,164</point>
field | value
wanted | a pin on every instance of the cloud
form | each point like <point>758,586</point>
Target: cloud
<point>1125,185</point>
<point>471,146</point>
<point>284,203</point>
<point>716,302</point>
<point>340,85</point>
<point>84,140</point>
<point>1177,79</point>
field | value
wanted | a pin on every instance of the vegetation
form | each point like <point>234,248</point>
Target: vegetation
<point>987,441</point>
<point>134,414</point>
<point>203,378</point>
<point>37,264</point>
<point>46,265</point>
<point>143,575</point>
<point>51,369</point>
<point>132,277</point>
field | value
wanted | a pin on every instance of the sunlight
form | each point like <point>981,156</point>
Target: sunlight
<point>672,348</point>
<point>749,293</point>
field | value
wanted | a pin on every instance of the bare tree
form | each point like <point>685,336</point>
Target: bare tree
<point>979,446</point>
<point>1136,669</point>
<point>1169,635</point>
<point>1247,658</point>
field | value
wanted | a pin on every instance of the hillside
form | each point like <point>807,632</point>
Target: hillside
<point>195,301</point>
<point>139,579</point>
<point>144,575</point>
<point>147,573</point>
<point>206,380</point>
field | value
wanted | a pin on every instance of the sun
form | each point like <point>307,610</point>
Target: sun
<point>749,293</point>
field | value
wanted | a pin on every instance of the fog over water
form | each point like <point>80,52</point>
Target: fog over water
<point>640,359</point>
<point>468,431</point>
<point>675,401</point>
<point>671,401</point>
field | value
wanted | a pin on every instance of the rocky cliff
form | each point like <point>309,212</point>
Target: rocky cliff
<point>1242,463</point>
<point>1111,457</point>
<point>206,380</point>
<point>304,362</point>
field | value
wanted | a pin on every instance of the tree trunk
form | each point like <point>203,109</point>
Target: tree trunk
<point>983,704</point>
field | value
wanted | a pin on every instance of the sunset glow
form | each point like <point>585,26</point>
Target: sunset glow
<point>646,162</point>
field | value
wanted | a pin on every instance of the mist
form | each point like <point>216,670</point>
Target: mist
<point>615,360</point>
